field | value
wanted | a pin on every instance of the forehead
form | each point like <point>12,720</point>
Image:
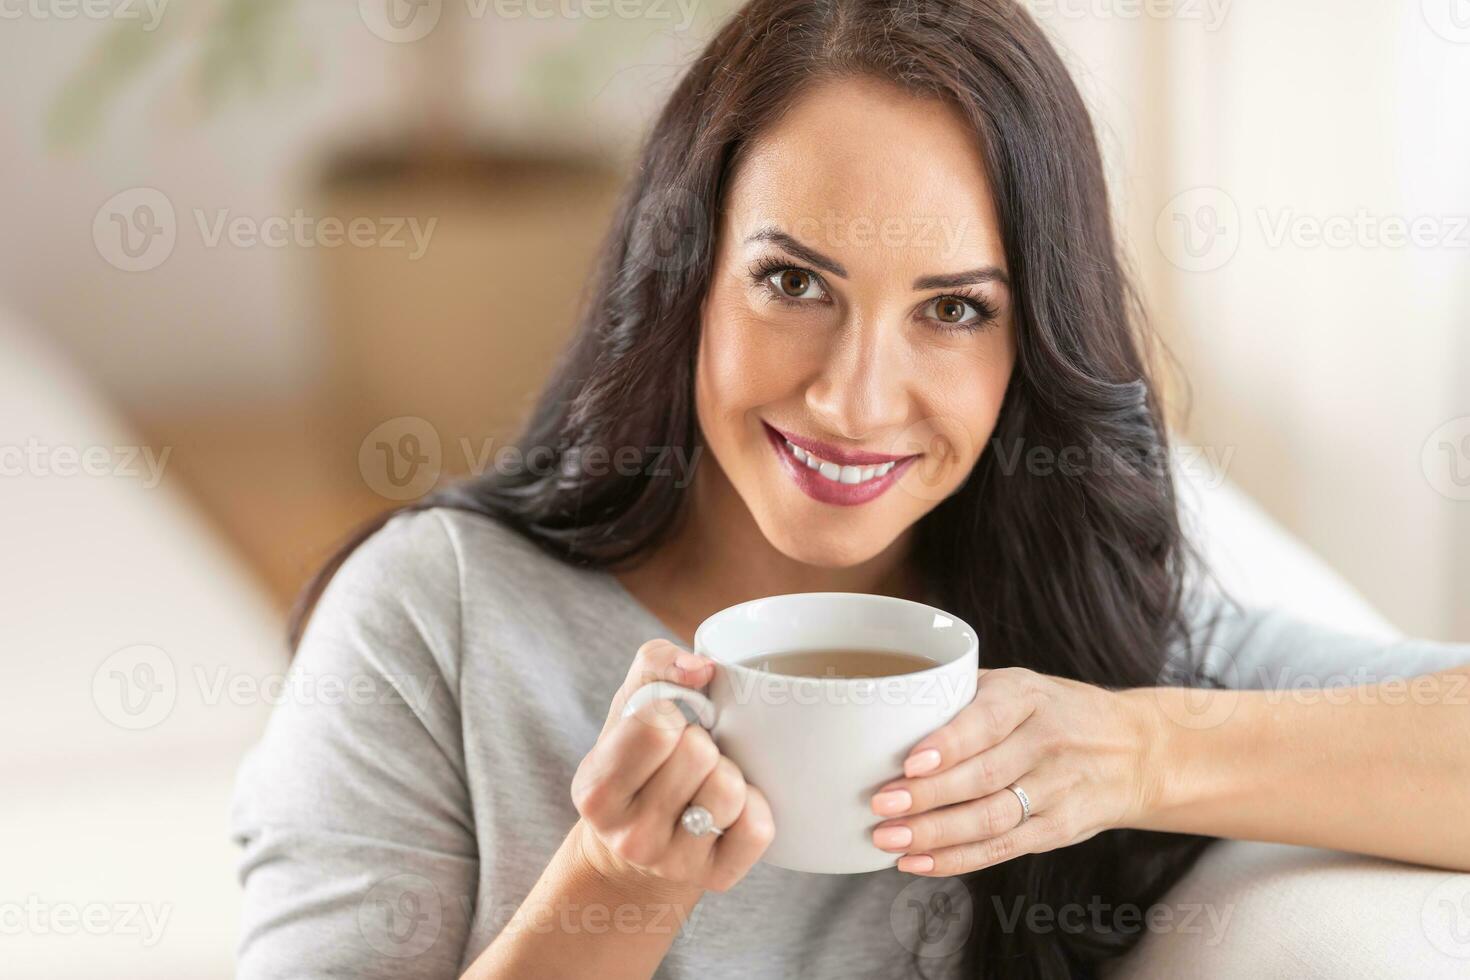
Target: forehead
<point>859,167</point>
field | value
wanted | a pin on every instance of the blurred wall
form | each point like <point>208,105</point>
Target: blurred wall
<point>222,322</point>
<point>1331,376</point>
<point>1308,141</point>
<point>1291,181</point>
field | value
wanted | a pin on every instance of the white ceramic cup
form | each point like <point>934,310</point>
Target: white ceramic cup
<point>820,747</point>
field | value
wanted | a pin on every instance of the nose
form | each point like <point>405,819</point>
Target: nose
<point>862,389</point>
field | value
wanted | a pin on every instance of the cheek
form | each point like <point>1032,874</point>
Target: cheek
<point>965,397</point>
<point>743,363</point>
<point>983,399</point>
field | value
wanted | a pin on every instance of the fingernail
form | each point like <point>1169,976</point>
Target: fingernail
<point>921,762</point>
<point>893,801</point>
<point>893,837</point>
<point>916,862</point>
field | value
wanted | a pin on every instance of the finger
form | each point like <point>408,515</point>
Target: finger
<point>971,779</point>
<point>659,660</point>
<point>1003,701</point>
<point>1041,833</point>
<point>973,820</point>
<point>743,842</point>
<point>627,756</point>
<point>665,795</point>
<point>723,794</point>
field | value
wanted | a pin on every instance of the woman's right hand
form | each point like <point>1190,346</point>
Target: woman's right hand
<point>634,785</point>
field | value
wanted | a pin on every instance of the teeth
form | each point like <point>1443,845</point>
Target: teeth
<point>835,472</point>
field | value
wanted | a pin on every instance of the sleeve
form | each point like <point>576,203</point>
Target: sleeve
<point>1239,646</point>
<point>352,812</point>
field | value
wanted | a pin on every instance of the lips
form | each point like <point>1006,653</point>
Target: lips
<point>837,472</point>
<point>832,475</point>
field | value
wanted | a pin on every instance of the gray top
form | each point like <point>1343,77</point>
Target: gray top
<point>404,800</point>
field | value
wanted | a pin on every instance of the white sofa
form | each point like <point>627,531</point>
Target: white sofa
<point>96,818</point>
<point>1296,911</point>
<point>97,812</point>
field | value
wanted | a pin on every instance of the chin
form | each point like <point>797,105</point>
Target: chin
<point>837,545</point>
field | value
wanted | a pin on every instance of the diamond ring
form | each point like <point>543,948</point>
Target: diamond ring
<point>697,821</point>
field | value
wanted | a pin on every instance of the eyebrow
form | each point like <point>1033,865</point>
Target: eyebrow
<point>948,280</point>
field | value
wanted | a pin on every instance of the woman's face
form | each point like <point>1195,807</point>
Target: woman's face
<point>858,308</point>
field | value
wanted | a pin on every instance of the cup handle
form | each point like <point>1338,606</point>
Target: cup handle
<point>704,709</point>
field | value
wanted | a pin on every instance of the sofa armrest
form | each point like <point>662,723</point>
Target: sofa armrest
<point>1271,910</point>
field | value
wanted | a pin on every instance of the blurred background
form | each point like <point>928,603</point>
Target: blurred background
<point>270,266</point>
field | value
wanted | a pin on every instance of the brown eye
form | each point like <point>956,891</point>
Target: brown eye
<point>959,312</point>
<point>794,282</point>
<point>948,309</point>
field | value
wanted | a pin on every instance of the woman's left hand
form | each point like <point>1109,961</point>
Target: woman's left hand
<point>1077,751</point>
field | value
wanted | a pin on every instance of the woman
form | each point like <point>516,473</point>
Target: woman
<point>860,233</point>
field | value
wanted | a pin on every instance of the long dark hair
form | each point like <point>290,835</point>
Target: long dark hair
<point>1075,571</point>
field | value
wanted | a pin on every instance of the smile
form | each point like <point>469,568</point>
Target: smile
<point>851,478</point>
<point>834,471</point>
